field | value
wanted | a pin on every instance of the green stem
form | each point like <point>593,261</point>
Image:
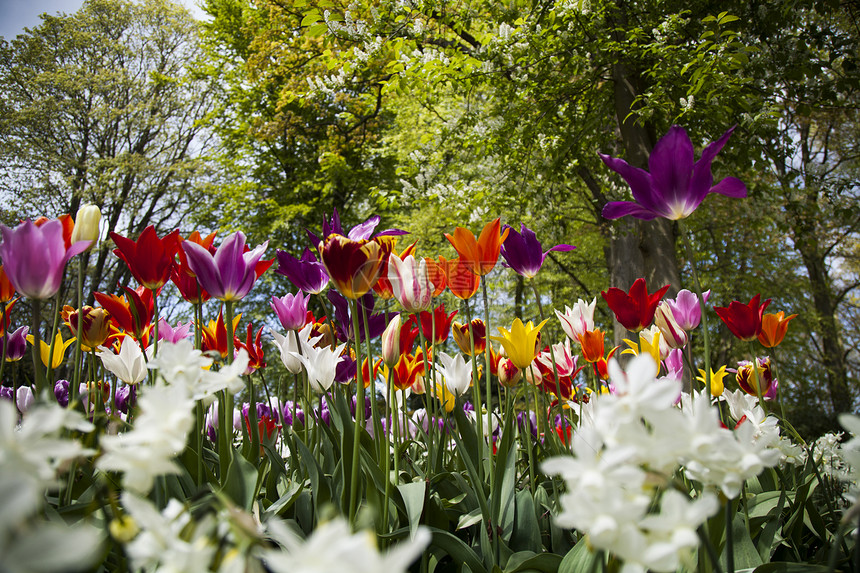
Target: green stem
<point>359,417</point>
<point>487,382</point>
<point>431,386</point>
<point>54,327</point>
<point>564,420</point>
<point>225,433</point>
<point>377,426</point>
<point>76,378</point>
<point>476,393</point>
<point>730,547</point>
<point>39,374</point>
<point>705,336</point>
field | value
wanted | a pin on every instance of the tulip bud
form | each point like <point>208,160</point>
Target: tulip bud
<point>673,334</point>
<point>87,225</point>
<point>509,375</point>
<point>391,342</point>
<point>461,336</point>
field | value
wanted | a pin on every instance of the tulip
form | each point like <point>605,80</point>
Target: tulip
<point>717,386</point>
<point>129,365</point>
<point>673,334</point>
<point>308,274</point>
<point>173,334</point>
<point>457,373</point>
<point>16,344</point>
<point>320,364</point>
<point>34,257</point>
<point>747,379</point>
<point>592,344</point>
<point>133,314</point>
<point>650,342</point>
<point>521,343</point>
<point>214,334</point>
<point>96,325</point>
<point>391,341</point>
<point>773,328</point>
<point>410,282</point>
<point>150,259</point>
<point>291,310</point>
<point>383,286</point>
<point>577,320</point>
<point>406,370</point>
<point>634,309</point>
<point>289,346</point>
<point>686,308</point>
<point>676,185</point>
<point>231,272</point>
<point>7,291</point>
<point>479,255</point>
<point>436,272</point>
<point>462,282</point>
<point>438,323</point>
<point>7,316</point>
<point>523,252</point>
<point>87,225</point>
<point>509,375</point>
<point>60,345</point>
<point>743,320</point>
<point>353,266</point>
<point>253,347</point>
<point>362,231</point>
<point>464,340</point>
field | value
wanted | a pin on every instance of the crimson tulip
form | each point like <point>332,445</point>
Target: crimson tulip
<point>149,259</point>
<point>634,309</point>
<point>743,320</point>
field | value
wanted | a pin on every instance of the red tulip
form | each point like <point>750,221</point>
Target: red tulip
<point>149,259</point>
<point>634,309</point>
<point>744,320</point>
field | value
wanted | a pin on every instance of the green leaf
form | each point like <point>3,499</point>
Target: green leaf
<point>310,18</point>
<point>745,552</point>
<point>413,495</point>
<point>317,30</point>
<point>578,559</point>
<point>528,561</point>
<point>790,568</point>
<point>241,482</point>
<point>459,551</point>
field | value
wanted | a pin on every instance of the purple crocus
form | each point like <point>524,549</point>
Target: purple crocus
<point>676,184</point>
<point>231,272</point>
<point>34,257</point>
<point>292,310</point>
<point>16,344</point>
<point>523,251</point>
<point>686,309</point>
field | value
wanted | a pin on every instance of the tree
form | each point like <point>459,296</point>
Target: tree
<point>104,106</point>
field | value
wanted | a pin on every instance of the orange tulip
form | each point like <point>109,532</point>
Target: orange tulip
<point>436,272</point>
<point>592,345</point>
<point>480,255</point>
<point>773,328</point>
<point>462,282</point>
<point>7,291</point>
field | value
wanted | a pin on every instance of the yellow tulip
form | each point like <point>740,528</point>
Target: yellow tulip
<point>645,345</point>
<point>716,380</point>
<point>60,346</point>
<point>521,343</point>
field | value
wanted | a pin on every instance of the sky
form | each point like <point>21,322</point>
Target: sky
<point>15,15</point>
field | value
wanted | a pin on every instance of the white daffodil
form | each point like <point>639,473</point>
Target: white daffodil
<point>129,365</point>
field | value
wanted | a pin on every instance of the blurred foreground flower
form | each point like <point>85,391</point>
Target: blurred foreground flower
<point>333,547</point>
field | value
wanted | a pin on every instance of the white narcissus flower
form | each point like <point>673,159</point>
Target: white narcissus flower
<point>289,346</point>
<point>577,320</point>
<point>410,282</point>
<point>129,365</point>
<point>168,540</point>
<point>333,547</point>
<point>166,416</point>
<point>320,363</point>
<point>182,364</point>
<point>457,373</point>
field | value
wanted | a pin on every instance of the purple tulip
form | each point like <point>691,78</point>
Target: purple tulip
<point>376,323</point>
<point>291,310</point>
<point>16,344</point>
<point>126,398</point>
<point>173,334</point>
<point>686,309</point>
<point>34,257</point>
<point>231,272</point>
<point>357,233</point>
<point>61,392</point>
<point>676,185</point>
<point>523,253</point>
<point>307,273</point>
<point>7,393</point>
<point>293,414</point>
